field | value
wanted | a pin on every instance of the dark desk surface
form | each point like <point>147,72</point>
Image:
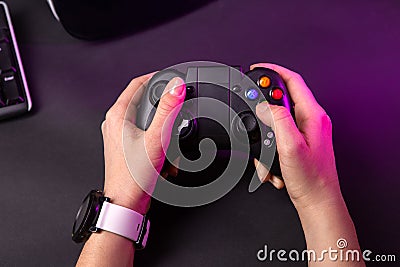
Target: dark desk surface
<point>348,52</point>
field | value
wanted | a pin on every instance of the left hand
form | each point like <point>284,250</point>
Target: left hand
<point>144,150</point>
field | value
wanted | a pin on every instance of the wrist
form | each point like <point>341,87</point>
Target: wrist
<point>327,215</point>
<point>319,197</point>
<point>322,208</point>
<point>136,200</point>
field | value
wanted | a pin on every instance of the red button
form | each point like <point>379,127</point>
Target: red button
<point>277,94</point>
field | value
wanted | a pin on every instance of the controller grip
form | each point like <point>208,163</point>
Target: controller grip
<point>153,92</point>
<point>263,154</point>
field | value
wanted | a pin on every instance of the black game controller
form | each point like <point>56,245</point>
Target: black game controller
<point>220,105</point>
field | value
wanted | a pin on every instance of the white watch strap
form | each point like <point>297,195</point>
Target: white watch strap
<point>122,221</point>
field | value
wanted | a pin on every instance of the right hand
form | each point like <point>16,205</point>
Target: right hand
<point>305,151</point>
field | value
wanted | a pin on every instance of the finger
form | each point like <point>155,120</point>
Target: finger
<point>164,174</point>
<point>288,138</point>
<point>262,172</point>
<point>305,105</point>
<point>279,119</point>
<point>170,104</point>
<point>173,168</point>
<point>169,169</point>
<point>176,162</point>
<point>265,175</point>
<point>164,169</point>
<point>277,182</point>
<point>311,118</point>
<point>298,89</point>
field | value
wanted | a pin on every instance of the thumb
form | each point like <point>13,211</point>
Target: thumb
<point>288,138</point>
<point>170,104</point>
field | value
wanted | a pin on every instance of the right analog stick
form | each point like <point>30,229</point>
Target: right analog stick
<point>245,127</point>
<point>249,122</point>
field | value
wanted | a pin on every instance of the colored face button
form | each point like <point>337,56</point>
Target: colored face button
<point>264,82</point>
<point>252,94</point>
<point>277,94</point>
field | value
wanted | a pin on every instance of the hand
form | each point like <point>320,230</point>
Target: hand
<point>126,148</point>
<point>305,151</point>
<point>144,151</point>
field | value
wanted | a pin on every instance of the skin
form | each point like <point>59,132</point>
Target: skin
<point>105,248</point>
<point>306,158</point>
<point>308,168</point>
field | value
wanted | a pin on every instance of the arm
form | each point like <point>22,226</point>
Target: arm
<point>105,248</point>
<point>309,170</point>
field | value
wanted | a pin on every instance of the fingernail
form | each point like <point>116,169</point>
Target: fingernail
<point>262,171</point>
<point>178,87</point>
<point>174,172</point>
<point>164,174</point>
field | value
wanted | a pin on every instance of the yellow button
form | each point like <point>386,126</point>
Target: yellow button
<point>264,81</point>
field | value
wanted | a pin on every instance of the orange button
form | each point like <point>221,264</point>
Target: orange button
<point>264,81</point>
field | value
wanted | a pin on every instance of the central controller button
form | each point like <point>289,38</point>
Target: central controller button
<point>270,134</point>
<point>264,82</point>
<point>267,142</point>
<point>252,94</point>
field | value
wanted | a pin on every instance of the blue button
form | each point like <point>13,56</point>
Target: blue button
<point>252,94</point>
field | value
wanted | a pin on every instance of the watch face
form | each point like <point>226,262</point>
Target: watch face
<point>87,216</point>
<point>82,213</point>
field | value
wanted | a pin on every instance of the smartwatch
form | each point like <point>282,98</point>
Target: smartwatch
<point>98,213</point>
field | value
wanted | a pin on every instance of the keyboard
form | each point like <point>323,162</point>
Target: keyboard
<point>14,95</point>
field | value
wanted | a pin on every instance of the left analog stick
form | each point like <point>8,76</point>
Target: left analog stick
<point>157,91</point>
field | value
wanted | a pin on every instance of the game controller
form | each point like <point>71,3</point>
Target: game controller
<point>220,105</point>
